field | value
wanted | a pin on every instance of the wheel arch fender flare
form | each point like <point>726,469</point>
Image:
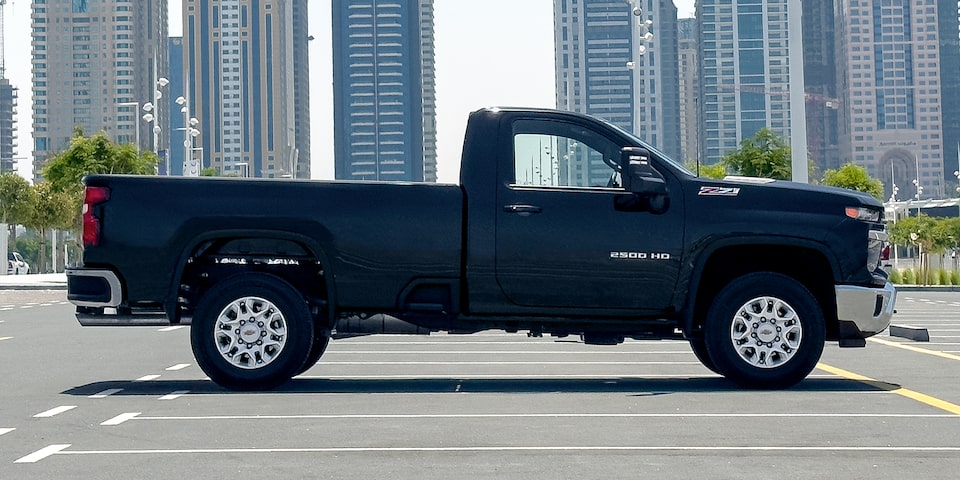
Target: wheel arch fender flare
<point>321,249</point>
<point>706,252</point>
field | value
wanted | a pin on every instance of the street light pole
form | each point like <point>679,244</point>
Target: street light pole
<point>136,118</point>
<point>190,167</point>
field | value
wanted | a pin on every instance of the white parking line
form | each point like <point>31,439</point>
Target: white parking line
<point>123,417</point>
<point>5,338</point>
<point>540,415</point>
<point>179,366</point>
<point>339,351</point>
<point>4,431</point>
<point>55,411</point>
<point>175,395</point>
<point>512,363</point>
<point>170,329</point>
<point>573,448</point>
<point>42,453</point>
<point>106,393</point>
<point>147,378</point>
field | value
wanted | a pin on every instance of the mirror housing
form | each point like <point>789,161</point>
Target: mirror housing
<point>637,173</point>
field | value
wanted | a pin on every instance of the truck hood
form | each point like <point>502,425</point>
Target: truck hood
<point>800,190</point>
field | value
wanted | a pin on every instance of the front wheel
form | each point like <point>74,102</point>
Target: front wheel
<point>765,330</point>
<point>251,332</point>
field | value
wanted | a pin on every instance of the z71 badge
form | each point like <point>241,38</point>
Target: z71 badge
<point>719,191</point>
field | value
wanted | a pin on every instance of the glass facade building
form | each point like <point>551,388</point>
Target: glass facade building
<point>891,115</point>
<point>601,71</point>
<point>744,73</point>
<point>242,59</point>
<point>94,66</point>
<point>384,84</point>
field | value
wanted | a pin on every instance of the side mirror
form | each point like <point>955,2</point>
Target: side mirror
<point>638,175</point>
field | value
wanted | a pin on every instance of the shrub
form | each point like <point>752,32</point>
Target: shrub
<point>944,277</point>
<point>896,277</point>
<point>955,277</point>
<point>909,278</point>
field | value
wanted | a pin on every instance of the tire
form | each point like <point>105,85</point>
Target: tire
<point>765,330</point>
<point>242,355</point>
<point>319,345</point>
<point>699,347</point>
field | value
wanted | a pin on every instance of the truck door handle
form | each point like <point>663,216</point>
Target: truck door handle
<point>522,210</point>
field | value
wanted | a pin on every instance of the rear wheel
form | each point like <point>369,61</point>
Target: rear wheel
<point>251,331</point>
<point>765,330</point>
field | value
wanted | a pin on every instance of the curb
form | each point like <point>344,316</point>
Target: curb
<point>917,334</point>
<point>35,287</point>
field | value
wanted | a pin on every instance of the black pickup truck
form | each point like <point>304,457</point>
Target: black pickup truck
<point>562,224</point>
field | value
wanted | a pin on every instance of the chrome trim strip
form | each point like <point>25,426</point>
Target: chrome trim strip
<point>116,294</point>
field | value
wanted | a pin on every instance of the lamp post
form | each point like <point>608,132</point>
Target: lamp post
<point>153,116</point>
<point>916,183</point>
<point>190,166</point>
<point>956,173</point>
<point>893,204</point>
<point>642,36</point>
<point>136,109</point>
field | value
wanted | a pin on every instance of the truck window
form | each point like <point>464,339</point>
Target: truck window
<point>557,154</point>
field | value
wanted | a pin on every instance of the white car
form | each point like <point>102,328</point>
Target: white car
<point>16,264</point>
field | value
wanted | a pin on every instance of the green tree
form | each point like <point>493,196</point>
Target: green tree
<point>17,200</point>
<point>854,177</point>
<point>717,170</point>
<point>54,210</point>
<point>765,155</point>
<point>927,234</point>
<point>96,154</point>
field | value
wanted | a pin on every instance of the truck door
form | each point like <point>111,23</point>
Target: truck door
<point>567,235</point>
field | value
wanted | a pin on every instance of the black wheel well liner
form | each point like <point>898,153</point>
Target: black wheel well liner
<point>250,243</point>
<point>804,261</point>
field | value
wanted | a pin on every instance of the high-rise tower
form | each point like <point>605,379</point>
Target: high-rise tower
<point>607,66</point>
<point>744,74</point>
<point>242,60</point>
<point>889,84</point>
<point>95,64</point>
<point>383,82</point>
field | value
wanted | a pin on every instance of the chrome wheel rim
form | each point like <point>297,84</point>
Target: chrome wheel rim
<point>250,332</point>
<point>766,332</point>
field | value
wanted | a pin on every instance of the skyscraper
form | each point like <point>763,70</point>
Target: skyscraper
<point>745,73</point>
<point>949,37</point>
<point>820,83</point>
<point>242,60</point>
<point>95,65</point>
<point>383,82</point>
<point>605,66</point>
<point>689,88</point>
<point>890,90</point>
<point>8,125</point>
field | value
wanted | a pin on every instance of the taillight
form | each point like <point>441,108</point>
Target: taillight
<point>91,224</point>
<point>885,253</point>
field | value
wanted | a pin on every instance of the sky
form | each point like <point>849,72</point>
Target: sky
<point>489,53</point>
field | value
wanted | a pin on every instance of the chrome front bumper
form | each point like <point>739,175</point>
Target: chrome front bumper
<point>868,309</point>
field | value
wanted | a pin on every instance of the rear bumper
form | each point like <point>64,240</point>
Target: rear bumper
<point>93,288</point>
<point>867,310</point>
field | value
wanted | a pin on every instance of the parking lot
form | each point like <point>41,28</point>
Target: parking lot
<point>131,403</point>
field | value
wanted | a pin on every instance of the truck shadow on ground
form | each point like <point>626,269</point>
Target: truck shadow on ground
<point>637,386</point>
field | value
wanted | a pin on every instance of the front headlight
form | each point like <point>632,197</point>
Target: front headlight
<point>863,214</point>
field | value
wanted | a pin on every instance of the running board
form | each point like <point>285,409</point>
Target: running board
<point>124,320</point>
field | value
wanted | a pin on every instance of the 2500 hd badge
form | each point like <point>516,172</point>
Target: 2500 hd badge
<point>639,256</point>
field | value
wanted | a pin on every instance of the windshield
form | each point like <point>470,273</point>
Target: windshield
<point>654,151</point>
